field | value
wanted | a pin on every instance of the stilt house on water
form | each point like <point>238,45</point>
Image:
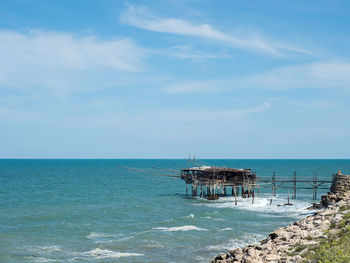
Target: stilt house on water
<point>213,181</point>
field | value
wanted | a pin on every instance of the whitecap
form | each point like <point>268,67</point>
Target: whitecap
<point>101,238</point>
<point>94,235</point>
<point>180,228</point>
<point>226,229</point>
<point>237,242</point>
<point>262,205</point>
<point>125,238</point>
<point>45,249</point>
<point>99,253</point>
<point>154,244</point>
<point>43,260</point>
<point>190,216</point>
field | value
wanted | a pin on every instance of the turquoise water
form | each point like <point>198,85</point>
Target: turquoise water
<point>92,211</point>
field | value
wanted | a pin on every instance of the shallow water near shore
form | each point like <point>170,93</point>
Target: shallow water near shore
<point>92,211</point>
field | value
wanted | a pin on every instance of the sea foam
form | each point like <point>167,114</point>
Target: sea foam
<point>237,242</point>
<point>94,235</point>
<point>99,253</point>
<point>180,228</point>
<point>262,205</point>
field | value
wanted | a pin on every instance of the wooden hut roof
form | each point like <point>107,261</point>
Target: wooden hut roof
<point>216,169</point>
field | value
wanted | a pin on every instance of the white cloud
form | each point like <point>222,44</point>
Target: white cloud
<point>22,116</point>
<point>58,60</point>
<point>197,87</point>
<point>187,52</point>
<point>157,123</point>
<point>140,17</point>
<point>327,74</point>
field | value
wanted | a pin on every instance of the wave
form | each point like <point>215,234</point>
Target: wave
<point>153,244</point>
<point>99,253</point>
<point>56,254</point>
<point>43,260</point>
<point>190,216</point>
<point>100,238</point>
<point>262,205</point>
<point>180,228</point>
<point>226,229</point>
<point>242,241</point>
<point>94,235</point>
<point>44,249</point>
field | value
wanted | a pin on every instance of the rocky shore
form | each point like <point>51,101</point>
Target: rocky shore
<point>294,243</point>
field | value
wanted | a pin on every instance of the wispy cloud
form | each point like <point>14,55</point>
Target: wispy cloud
<point>140,17</point>
<point>58,59</point>
<point>188,52</point>
<point>22,116</point>
<point>155,122</point>
<point>197,87</point>
<point>327,74</point>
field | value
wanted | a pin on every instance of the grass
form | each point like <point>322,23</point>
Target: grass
<point>344,208</point>
<point>297,248</point>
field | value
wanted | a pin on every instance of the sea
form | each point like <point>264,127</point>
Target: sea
<point>98,211</point>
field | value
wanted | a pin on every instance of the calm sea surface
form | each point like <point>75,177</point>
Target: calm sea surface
<point>92,211</point>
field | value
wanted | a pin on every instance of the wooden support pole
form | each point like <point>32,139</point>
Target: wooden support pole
<point>316,192</point>
<point>274,183</point>
<point>315,183</point>
<point>295,185</point>
<point>235,195</point>
<point>288,198</point>
<point>249,187</point>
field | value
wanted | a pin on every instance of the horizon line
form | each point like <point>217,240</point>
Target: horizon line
<point>162,158</point>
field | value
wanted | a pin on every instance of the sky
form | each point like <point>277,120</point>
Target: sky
<point>164,79</point>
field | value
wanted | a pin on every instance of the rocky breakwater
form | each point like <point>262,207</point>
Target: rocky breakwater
<point>340,190</point>
<point>298,241</point>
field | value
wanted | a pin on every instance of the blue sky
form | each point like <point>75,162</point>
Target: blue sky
<point>164,79</point>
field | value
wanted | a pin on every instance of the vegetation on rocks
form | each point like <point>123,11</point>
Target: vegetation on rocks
<point>319,238</point>
<point>323,237</point>
<point>334,249</point>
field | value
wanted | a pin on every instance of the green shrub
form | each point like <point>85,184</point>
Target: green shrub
<point>344,208</point>
<point>335,249</point>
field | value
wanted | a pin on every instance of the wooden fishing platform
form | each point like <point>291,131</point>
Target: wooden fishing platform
<point>213,182</point>
<point>215,178</point>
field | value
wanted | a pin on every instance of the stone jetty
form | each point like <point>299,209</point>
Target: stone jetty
<point>293,242</point>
